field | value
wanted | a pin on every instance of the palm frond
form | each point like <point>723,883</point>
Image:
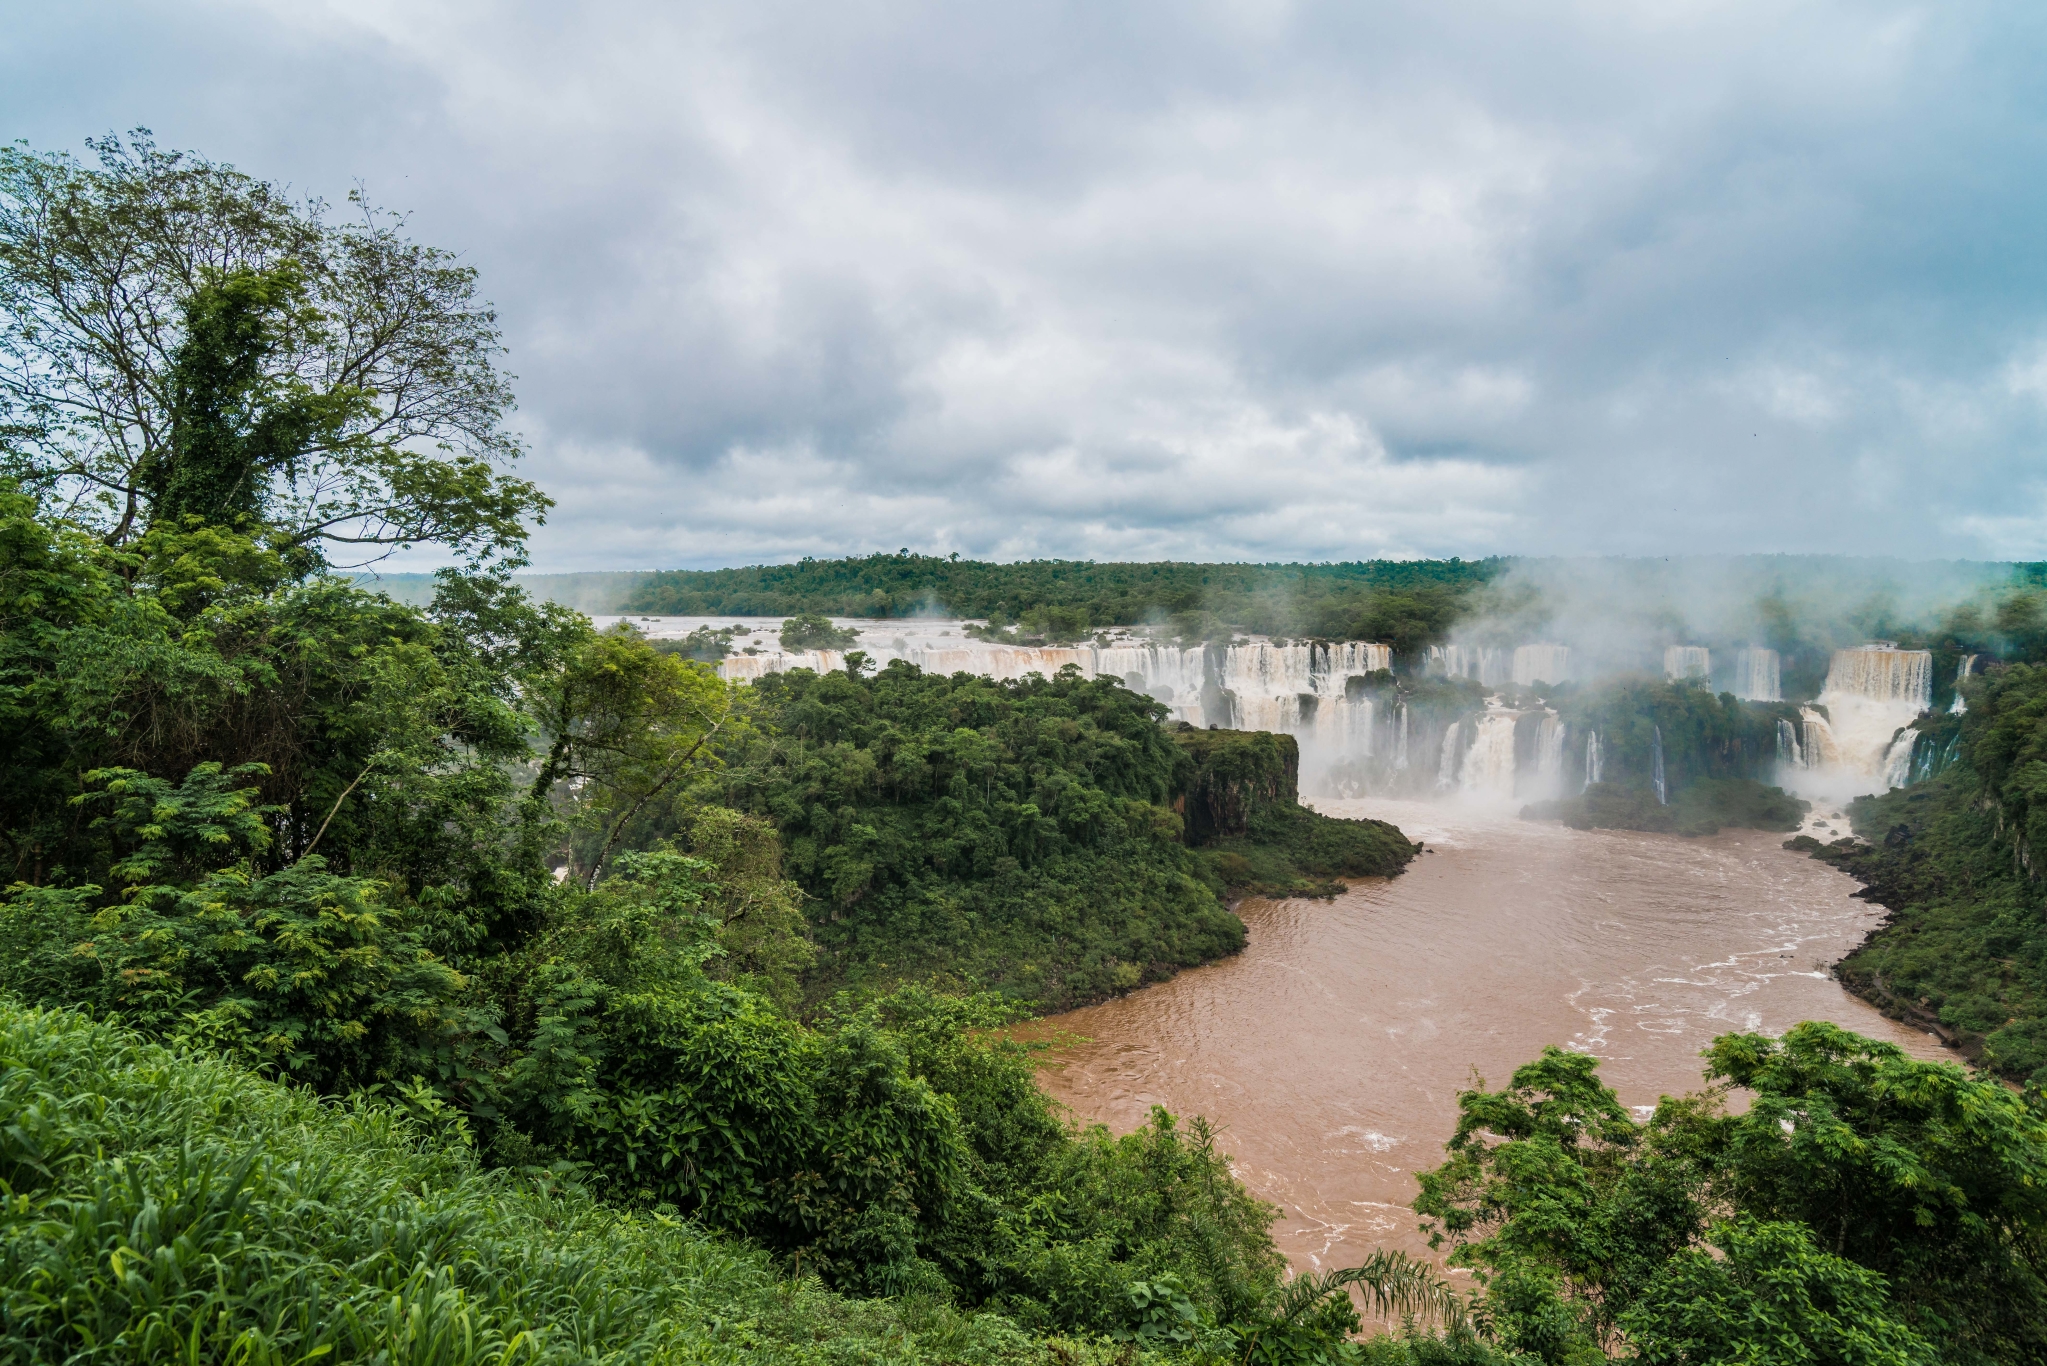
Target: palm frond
<point>1393,1283</point>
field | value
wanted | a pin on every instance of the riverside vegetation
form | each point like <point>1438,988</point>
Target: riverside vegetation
<point>1957,860</point>
<point>462,984</point>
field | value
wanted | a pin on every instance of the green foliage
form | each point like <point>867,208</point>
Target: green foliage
<point>706,644</point>
<point>1702,734</point>
<point>1241,810</point>
<point>815,631</point>
<point>1702,807</point>
<point>1017,836</point>
<point>1864,1206</point>
<point>1772,1298</point>
<point>1406,603</point>
<point>166,1206</point>
<point>331,385</point>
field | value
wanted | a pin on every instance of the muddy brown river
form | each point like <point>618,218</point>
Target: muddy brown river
<point>1332,1049</point>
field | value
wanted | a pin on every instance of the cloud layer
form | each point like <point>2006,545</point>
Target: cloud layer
<point>1256,280</point>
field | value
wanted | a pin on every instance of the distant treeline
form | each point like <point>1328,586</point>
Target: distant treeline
<point>1407,603</point>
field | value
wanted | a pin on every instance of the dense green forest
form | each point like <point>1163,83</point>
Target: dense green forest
<point>458,983</point>
<point>1405,603</point>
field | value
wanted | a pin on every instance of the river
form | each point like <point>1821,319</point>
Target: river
<point>1331,1050</point>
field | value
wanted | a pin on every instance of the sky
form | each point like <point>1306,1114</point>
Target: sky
<point>1251,281</point>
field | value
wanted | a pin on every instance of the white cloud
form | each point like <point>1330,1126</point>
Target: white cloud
<point>1267,280</point>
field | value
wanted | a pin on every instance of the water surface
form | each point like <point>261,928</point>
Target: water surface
<point>1332,1049</point>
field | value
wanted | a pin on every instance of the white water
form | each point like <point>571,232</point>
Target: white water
<point>1687,661</point>
<point>1549,753</point>
<point>1757,675</point>
<point>1352,744</point>
<point>1872,691</point>
<point>1480,663</point>
<point>1963,668</point>
<point>1789,754</point>
<point>1488,767</point>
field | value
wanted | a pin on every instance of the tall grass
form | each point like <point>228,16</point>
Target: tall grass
<point>162,1206</point>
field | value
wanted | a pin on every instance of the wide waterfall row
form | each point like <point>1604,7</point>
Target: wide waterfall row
<point>1882,672</point>
<point>1359,734</point>
<point>1524,665</point>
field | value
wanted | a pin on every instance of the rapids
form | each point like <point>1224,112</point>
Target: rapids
<point>1331,1050</point>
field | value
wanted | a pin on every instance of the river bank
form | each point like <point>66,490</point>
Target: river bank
<point>1331,1049</point>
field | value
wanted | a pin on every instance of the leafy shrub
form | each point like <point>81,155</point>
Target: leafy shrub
<point>165,1205</point>
<point>814,631</point>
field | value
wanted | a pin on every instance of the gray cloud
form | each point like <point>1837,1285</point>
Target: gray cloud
<point>1259,280</point>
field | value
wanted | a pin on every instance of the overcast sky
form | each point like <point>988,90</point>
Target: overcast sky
<point>1231,281</point>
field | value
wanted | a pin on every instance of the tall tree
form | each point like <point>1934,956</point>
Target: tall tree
<point>180,339</point>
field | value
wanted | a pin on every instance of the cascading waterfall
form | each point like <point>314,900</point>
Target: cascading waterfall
<point>1930,761</point>
<point>1897,769</point>
<point>1963,668</point>
<point>1788,753</point>
<point>1819,748</point>
<point>1549,751</point>
<point>1446,771</point>
<point>1687,661</point>
<point>1757,675</point>
<point>1400,737</point>
<point>1662,794</point>
<point>1872,691</point>
<point>1488,766</point>
<point>1592,760</point>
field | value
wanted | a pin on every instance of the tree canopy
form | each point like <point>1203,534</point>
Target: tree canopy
<point>179,339</point>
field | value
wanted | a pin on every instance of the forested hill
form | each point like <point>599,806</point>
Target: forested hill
<point>1379,599</point>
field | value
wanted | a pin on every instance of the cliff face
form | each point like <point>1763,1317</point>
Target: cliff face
<point>1240,811</point>
<point>1237,774</point>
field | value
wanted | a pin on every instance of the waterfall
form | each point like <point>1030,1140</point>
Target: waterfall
<point>1788,755</point>
<point>1898,759</point>
<point>1549,750</point>
<point>1541,664</point>
<point>1488,766</point>
<point>1592,760</point>
<point>1687,661</point>
<point>1480,663</point>
<point>1446,771</point>
<point>1656,776</point>
<point>1882,672</point>
<point>1963,669</point>
<point>1872,691</point>
<point>1757,675</point>
<point>1820,749</point>
<point>1400,737</point>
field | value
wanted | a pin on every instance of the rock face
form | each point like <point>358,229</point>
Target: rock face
<point>1237,774</point>
<point>1240,811</point>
